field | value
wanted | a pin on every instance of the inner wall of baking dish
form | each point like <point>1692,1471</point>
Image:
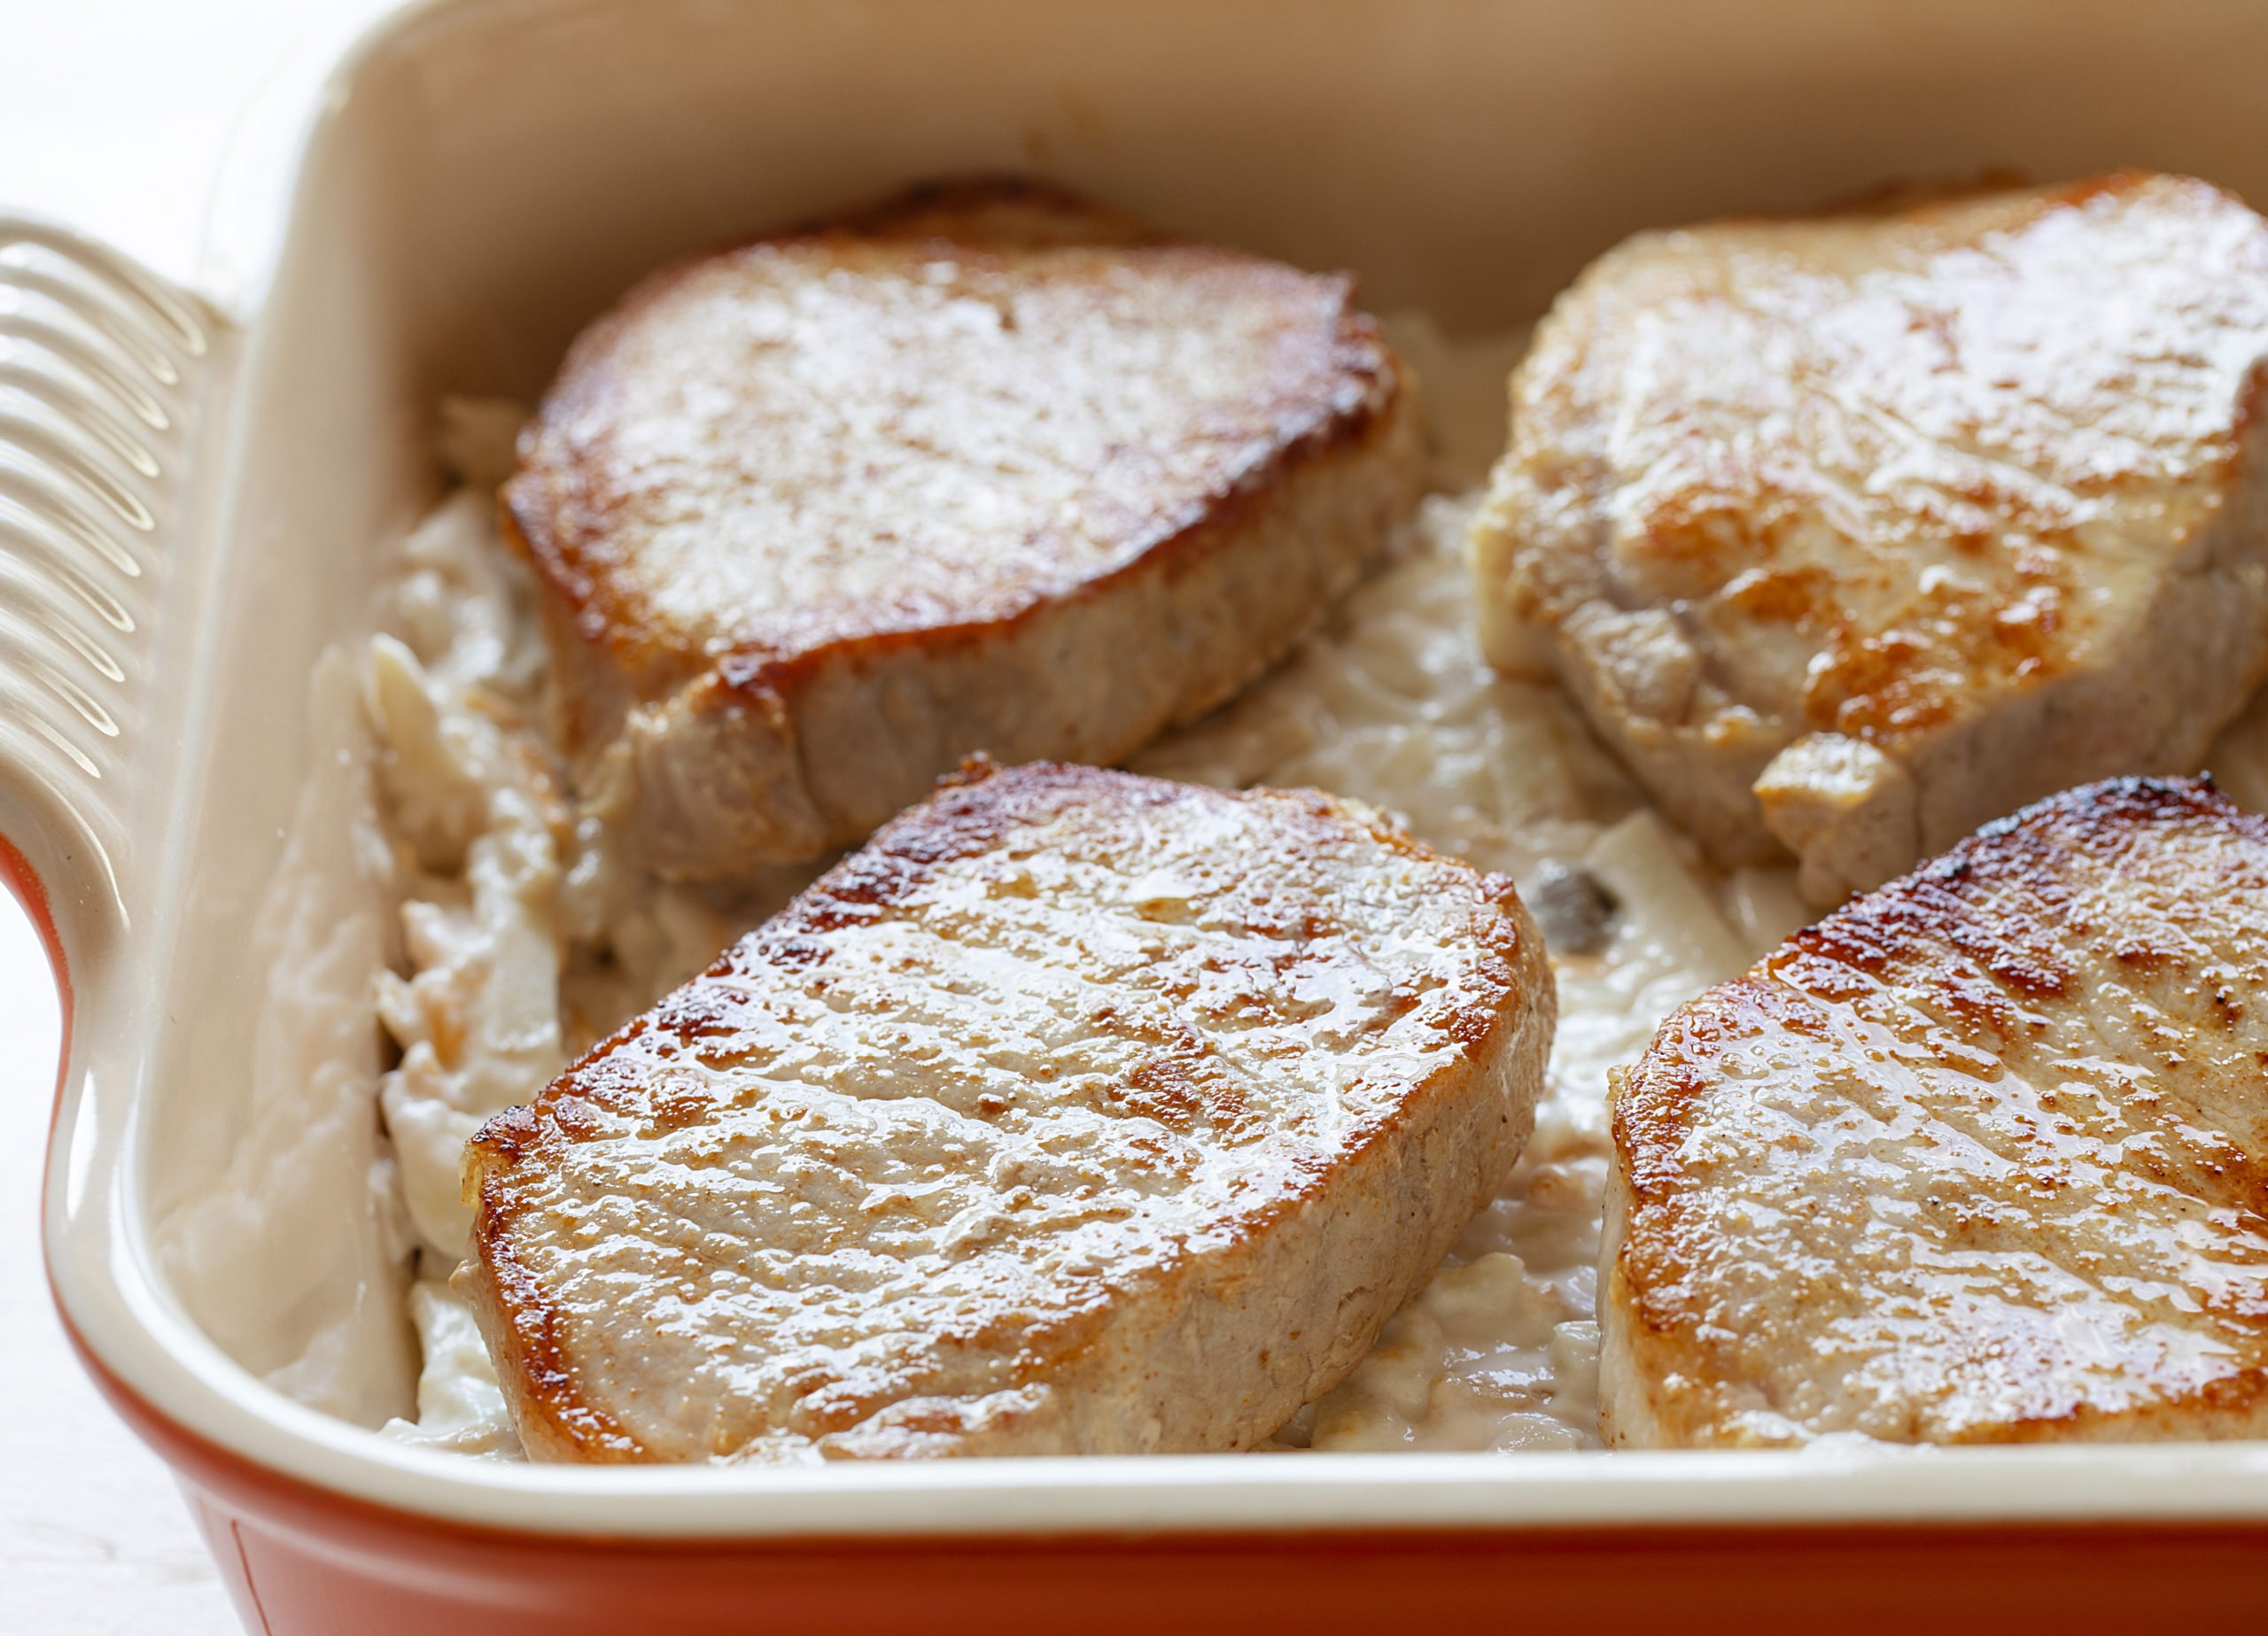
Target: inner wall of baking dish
<point>488,175</point>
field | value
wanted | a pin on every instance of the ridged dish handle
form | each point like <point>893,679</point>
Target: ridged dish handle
<point>104,371</point>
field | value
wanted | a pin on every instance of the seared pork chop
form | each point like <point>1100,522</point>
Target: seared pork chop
<point>1078,1112</point>
<point>989,470</point>
<point>1849,533</point>
<point>1981,1158</point>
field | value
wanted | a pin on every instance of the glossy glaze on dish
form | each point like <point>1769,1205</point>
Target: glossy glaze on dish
<point>1983,1157</point>
<point>1854,531</point>
<point>988,469</point>
<point>1076,1113</point>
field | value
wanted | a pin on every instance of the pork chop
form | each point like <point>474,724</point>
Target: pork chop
<point>1852,532</point>
<point>1981,1158</point>
<point>989,469</point>
<point>1078,1112</point>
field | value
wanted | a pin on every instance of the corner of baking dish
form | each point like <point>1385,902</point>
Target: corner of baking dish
<point>119,455</point>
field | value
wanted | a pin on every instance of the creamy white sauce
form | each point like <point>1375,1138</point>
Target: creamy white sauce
<point>525,938</point>
<point>522,938</point>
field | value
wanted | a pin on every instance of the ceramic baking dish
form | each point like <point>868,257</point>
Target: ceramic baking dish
<point>194,490</point>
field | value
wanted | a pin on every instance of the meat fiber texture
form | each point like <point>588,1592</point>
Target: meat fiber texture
<point>987,469</point>
<point>1852,532</point>
<point>1981,1158</point>
<point>1078,1112</point>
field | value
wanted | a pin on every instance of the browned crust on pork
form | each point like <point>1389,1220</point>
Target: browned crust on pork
<point>1967,507</point>
<point>1501,1033</point>
<point>1347,390</point>
<point>554,1421</point>
<point>2003,903</point>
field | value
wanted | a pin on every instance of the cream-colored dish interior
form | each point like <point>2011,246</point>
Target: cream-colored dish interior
<point>500,170</point>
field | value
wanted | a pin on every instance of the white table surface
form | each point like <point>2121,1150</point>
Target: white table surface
<point>113,119</point>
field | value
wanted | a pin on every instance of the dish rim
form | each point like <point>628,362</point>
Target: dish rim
<point>182,1389</point>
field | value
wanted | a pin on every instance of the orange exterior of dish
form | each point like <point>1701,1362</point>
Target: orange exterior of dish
<point>301,1562</point>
